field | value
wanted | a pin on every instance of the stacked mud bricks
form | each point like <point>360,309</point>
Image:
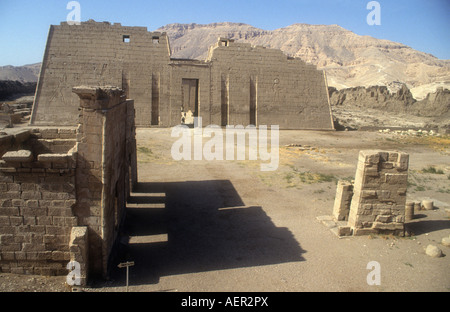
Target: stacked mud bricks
<point>375,202</point>
<point>64,190</point>
<point>238,84</point>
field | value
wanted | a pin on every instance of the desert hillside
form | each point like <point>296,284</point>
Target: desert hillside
<point>26,73</point>
<point>350,60</point>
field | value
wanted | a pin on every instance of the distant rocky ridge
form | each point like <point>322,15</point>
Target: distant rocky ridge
<point>26,73</point>
<point>377,108</point>
<point>436,104</point>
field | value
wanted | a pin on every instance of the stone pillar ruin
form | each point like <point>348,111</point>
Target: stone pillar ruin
<point>378,203</point>
<point>375,202</point>
<point>106,162</point>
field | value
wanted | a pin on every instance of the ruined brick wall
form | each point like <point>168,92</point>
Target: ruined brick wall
<point>378,204</point>
<point>64,190</point>
<point>37,187</point>
<point>100,54</point>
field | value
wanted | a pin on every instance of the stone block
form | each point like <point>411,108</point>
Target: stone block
<point>18,156</point>
<point>388,226</point>
<point>368,194</point>
<point>384,219</point>
<point>369,157</point>
<point>362,231</point>
<point>344,231</point>
<point>396,179</point>
<point>342,202</point>
<point>4,220</point>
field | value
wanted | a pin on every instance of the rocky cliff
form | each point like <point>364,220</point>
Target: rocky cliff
<point>436,104</point>
<point>377,107</point>
<point>375,97</point>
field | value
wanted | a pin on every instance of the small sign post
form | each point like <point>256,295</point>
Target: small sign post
<point>126,265</point>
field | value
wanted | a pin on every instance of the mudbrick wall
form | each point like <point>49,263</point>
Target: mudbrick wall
<point>237,85</point>
<point>63,190</point>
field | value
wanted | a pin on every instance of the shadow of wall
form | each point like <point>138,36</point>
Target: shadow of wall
<point>207,227</point>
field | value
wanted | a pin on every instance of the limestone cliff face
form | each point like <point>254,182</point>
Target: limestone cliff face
<point>436,104</point>
<point>375,97</point>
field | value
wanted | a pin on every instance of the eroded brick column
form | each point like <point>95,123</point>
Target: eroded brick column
<point>378,204</point>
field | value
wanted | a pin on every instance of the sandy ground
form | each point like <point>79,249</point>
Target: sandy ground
<point>226,226</point>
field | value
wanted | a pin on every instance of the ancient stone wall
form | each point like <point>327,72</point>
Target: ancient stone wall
<point>265,87</point>
<point>237,85</point>
<point>184,76</point>
<point>379,199</point>
<point>64,190</point>
<point>99,54</point>
<point>37,197</point>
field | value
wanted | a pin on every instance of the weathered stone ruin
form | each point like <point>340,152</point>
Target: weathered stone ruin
<point>238,84</point>
<point>375,202</point>
<point>65,180</point>
<point>64,189</point>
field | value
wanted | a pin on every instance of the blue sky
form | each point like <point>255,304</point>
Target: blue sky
<point>423,25</point>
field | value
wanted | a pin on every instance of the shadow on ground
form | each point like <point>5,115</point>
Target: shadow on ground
<point>427,226</point>
<point>204,225</point>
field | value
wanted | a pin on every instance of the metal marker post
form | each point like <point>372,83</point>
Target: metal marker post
<point>126,265</point>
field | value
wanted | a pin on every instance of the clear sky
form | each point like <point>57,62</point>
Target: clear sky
<point>421,24</point>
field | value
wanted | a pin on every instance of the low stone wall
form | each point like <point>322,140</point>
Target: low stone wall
<point>37,196</point>
<point>63,191</point>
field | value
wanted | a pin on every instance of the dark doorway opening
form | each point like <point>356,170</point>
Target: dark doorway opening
<point>190,103</point>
